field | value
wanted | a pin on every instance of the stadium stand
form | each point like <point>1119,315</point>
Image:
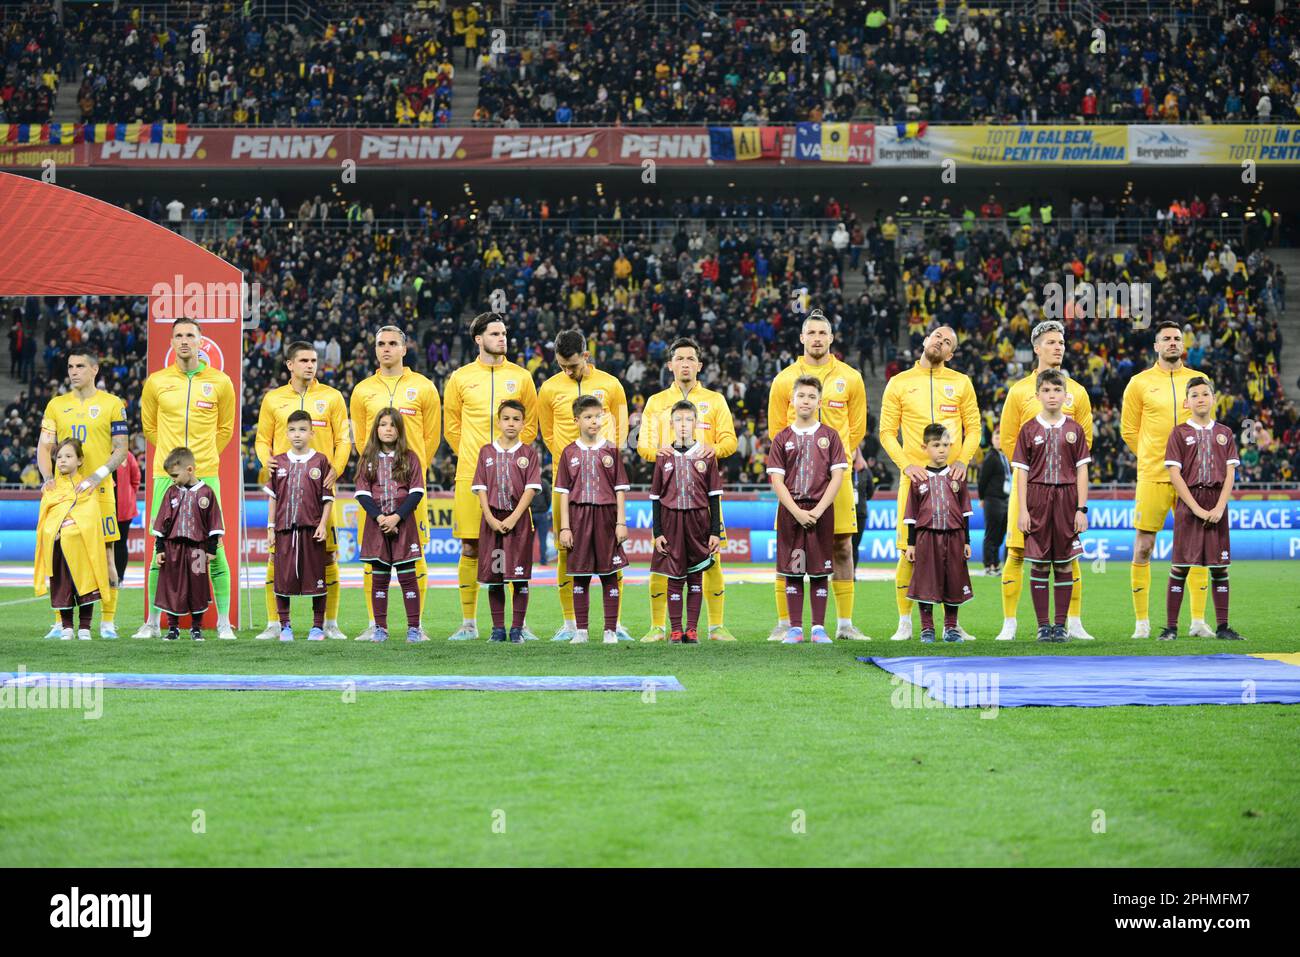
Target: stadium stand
<point>666,268</point>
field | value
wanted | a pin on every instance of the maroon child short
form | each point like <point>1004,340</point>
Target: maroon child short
<point>940,574</point>
<point>595,550</point>
<point>299,562</point>
<point>1195,542</point>
<point>509,557</point>
<point>183,584</point>
<point>63,591</point>
<point>1051,536</point>
<point>804,551</point>
<point>396,549</point>
<point>687,533</point>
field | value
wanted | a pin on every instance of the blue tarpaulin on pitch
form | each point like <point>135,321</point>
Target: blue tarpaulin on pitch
<point>352,682</point>
<point>1098,681</point>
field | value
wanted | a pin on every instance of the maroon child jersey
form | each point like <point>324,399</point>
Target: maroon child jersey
<point>591,474</point>
<point>685,480</point>
<point>804,458</point>
<point>505,473</point>
<point>940,503</point>
<point>1202,453</point>
<point>297,483</point>
<point>388,494</point>
<point>1051,453</point>
<point>188,522</point>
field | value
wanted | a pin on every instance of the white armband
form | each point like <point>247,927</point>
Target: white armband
<point>100,474</point>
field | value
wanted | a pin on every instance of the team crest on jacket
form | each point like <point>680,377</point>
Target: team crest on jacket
<point>950,390</point>
<point>522,461</point>
<point>955,487</point>
<point>1221,439</point>
<point>93,412</point>
<point>599,394</point>
<point>203,502</point>
<point>1069,399</point>
<point>510,385</point>
<point>701,466</point>
<point>840,385</point>
<point>411,394</point>
<point>823,442</point>
<point>314,473</point>
<point>1071,437</point>
<point>320,405</point>
<point>607,461</point>
<point>207,389</point>
<point>703,407</point>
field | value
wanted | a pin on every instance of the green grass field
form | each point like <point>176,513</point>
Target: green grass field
<point>765,737</point>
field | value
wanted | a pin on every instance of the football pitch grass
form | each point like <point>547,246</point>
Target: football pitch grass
<point>773,755</point>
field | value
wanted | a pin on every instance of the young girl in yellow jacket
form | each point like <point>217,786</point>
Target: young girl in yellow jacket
<point>70,559</point>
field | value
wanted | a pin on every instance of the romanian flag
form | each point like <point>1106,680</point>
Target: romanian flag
<point>135,132</point>
<point>744,142</point>
<point>911,131</point>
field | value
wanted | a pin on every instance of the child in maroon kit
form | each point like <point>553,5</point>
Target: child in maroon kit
<point>1050,463</point>
<point>390,486</point>
<point>507,477</point>
<point>1201,456</point>
<point>806,465</point>
<point>686,495</point>
<point>937,516</point>
<point>189,529</point>
<point>300,495</point>
<point>591,481</point>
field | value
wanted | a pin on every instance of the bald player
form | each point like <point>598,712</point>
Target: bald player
<point>397,387</point>
<point>1154,405</point>
<point>329,436</point>
<point>843,408</point>
<point>98,420</point>
<point>1020,406</point>
<point>714,427</point>
<point>577,377</point>
<point>928,392</point>
<point>473,394</point>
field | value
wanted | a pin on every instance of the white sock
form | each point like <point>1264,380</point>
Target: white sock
<point>783,622</point>
<point>155,617</point>
<point>571,624</point>
<point>841,622</point>
<point>223,621</point>
<point>905,619</point>
<point>471,623</point>
<point>331,623</point>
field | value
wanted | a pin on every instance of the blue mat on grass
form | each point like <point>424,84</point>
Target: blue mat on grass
<point>358,682</point>
<point>1098,681</point>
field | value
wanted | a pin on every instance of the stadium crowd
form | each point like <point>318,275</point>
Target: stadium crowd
<point>600,63</point>
<point>639,281</point>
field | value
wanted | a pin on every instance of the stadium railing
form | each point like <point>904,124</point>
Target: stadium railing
<point>1117,229</point>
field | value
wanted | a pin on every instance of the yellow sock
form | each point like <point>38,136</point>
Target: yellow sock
<point>658,600</point>
<point>714,593</point>
<point>1140,576</point>
<point>422,579</point>
<point>564,581</point>
<point>1198,583</point>
<point>843,591</point>
<point>903,576</point>
<point>332,590</point>
<point>109,610</point>
<point>368,583</point>
<point>1076,594</point>
<point>782,603</point>
<point>1013,579</point>
<point>619,616</point>
<point>467,575</point>
<point>272,614</point>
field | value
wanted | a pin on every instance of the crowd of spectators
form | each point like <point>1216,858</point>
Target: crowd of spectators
<point>619,64</point>
<point>605,63</point>
<point>735,284</point>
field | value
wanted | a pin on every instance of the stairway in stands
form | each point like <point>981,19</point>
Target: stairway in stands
<point>1289,325</point>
